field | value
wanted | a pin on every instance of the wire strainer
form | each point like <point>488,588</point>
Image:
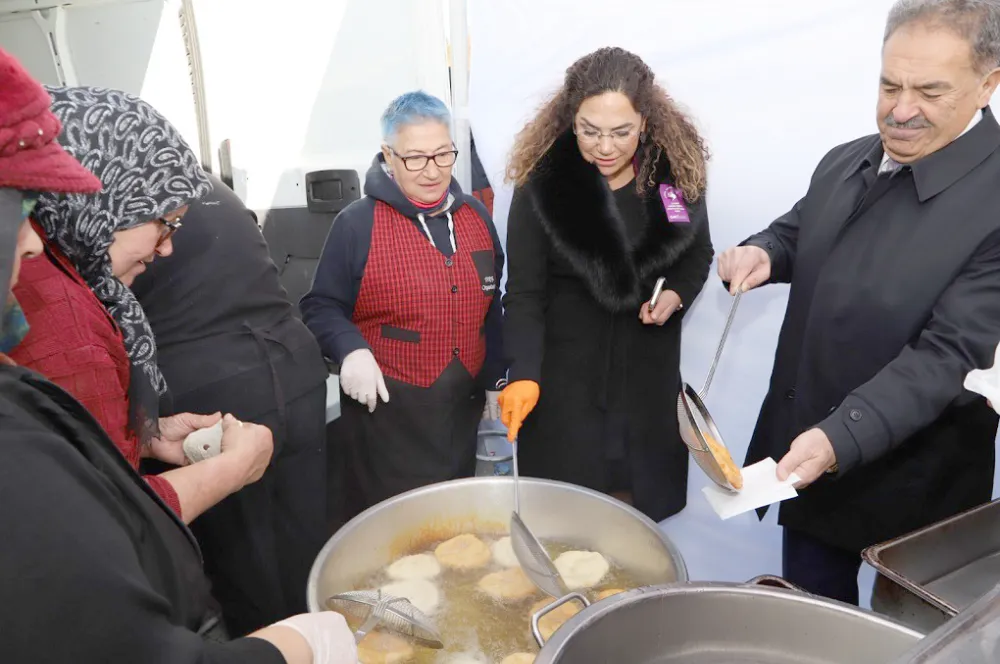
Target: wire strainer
<point>530,553</point>
<point>696,424</point>
<point>395,614</point>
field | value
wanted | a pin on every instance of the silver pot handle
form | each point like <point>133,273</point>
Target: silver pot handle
<point>774,582</point>
<point>535,631</point>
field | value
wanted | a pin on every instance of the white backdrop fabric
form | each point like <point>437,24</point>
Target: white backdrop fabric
<point>773,86</point>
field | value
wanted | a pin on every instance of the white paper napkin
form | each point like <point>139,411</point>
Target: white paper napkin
<point>760,487</point>
<point>986,382</point>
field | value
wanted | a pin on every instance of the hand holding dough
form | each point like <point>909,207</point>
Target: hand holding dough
<point>503,553</point>
<point>464,552</point>
<point>510,585</point>
<point>422,593</point>
<point>382,648</point>
<point>204,443</point>
<point>420,566</point>
<point>581,569</point>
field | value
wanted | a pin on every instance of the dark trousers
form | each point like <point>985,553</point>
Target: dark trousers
<point>819,568</point>
<point>259,544</point>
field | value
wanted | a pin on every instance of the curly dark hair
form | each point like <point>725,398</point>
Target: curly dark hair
<point>668,130</point>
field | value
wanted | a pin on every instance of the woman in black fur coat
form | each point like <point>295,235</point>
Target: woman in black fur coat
<point>610,196</point>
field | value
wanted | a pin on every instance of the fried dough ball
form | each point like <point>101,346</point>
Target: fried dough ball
<point>464,552</point>
<point>408,568</point>
<point>519,658</point>
<point>383,648</point>
<point>581,569</point>
<point>509,585</point>
<point>422,593</point>
<point>604,594</point>
<point>729,468</point>
<point>503,553</point>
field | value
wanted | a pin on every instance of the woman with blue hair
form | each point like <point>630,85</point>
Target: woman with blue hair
<point>406,299</point>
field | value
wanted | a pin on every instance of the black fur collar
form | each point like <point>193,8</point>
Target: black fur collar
<point>577,209</point>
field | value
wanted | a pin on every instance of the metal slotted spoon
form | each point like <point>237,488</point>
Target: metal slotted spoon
<point>395,614</point>
<point>696,424</point>
<point>529,551</point>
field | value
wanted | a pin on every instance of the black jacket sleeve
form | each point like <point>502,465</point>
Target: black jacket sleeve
<point>328,307</point>
<point>688,275</point>
<point>914,389</point>
<point>494,368</point>
<point>525,298</point>
<point>72,587</point>
<point>780,241</point>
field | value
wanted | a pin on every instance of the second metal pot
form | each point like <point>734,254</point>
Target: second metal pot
<point>702,623</point>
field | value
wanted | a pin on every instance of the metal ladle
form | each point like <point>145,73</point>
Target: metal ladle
<point>696,424</point>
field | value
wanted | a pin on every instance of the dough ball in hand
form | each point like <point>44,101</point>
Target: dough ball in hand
<point>383,648</point>
<point>519,658</point>
<point>203,444</point>
<point>464,552</point>
<point>420,566</point>
<point>553,620</point>
<point>509,585</point>
<point>422,593</point>
<point>503,553</point>
<point>581,569</point>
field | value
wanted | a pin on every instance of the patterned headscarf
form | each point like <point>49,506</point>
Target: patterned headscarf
<point>147,171</point>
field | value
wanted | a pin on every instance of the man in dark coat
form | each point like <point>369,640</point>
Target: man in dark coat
<point>228,341</point>
<point>893,256</point>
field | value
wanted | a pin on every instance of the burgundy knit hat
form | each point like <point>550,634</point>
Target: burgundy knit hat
<point>30,157</point>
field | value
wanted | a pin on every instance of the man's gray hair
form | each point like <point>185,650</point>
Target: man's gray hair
<point>978,21</point>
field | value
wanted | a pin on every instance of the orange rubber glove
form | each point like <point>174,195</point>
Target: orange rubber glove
<point>516,401</point>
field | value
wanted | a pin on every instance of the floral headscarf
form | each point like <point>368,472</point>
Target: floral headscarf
<point>147,171</point>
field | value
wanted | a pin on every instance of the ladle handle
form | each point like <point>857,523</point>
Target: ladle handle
<point>517,490</point>
<point>722,343</point>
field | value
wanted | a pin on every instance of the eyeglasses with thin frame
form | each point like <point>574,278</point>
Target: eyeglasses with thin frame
<point>590,136</point>
<point>419,162</point>
<point>170,226</point>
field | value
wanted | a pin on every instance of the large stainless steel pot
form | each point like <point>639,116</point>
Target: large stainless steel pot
<point>702,623</point>
<point>553,510</point>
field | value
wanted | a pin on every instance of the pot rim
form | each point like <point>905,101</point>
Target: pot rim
<point>599,610</point>
<point>348,528</point>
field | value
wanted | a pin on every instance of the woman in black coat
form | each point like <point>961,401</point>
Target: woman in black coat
<point>610,196</point>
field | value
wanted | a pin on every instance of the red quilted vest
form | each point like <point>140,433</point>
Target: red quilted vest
<point>76,344</point>
<point>419,310</point>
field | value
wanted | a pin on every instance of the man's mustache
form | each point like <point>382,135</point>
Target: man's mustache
<point>919,122</point>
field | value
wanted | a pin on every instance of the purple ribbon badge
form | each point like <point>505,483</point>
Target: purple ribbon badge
<point>673,204</point>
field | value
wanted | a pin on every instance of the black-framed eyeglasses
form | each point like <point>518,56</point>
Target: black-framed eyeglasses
<point>419,162</point>
<point>170,226</point>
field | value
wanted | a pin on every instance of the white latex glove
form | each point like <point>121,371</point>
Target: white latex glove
<point>362,380</point>
<point>986,382</point>
<point>492,409</point>
<point>327,633</point>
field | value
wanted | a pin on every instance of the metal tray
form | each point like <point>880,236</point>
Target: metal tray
<point>928,576</point>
